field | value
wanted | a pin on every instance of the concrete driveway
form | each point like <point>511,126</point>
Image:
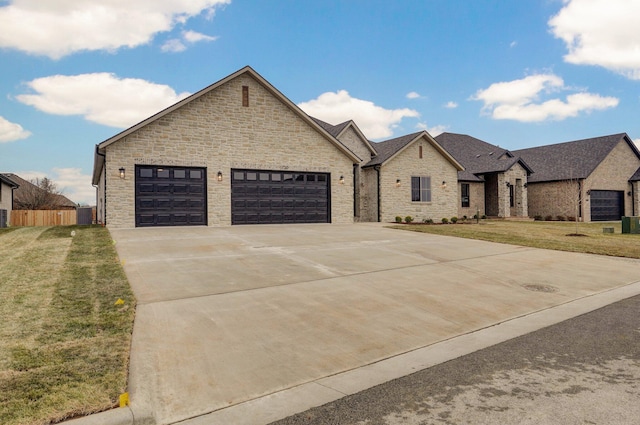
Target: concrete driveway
<point>233,315</point>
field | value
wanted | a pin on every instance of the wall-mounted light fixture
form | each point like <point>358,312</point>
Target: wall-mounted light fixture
<point>397,182</point>
<point>444,184</point>
<point>341,179</point>
<point>629,193</point>
<point>219,176</point>
<point>508,184</point>
<point>122,172</point>
<point>588,192</point>
<point>524,185</point>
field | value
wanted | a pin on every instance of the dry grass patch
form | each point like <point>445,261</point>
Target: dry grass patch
<point>65,345</point>
<point>541,234</point>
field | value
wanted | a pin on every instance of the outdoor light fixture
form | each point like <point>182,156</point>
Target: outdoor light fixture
<point>341,179</point>
<point>121,172</point>
<point>219,176</point>
<point>444,184</point>
<point>398,183</point>
<point>629,193</point>
<point>508,184</point>
<point>524,185</point>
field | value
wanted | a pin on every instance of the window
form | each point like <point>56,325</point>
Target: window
<point>179,174</point>
<point>421,189</point>
<point>464,191</point>
<point>511,195</point>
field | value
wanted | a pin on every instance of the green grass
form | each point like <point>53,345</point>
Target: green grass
<point>65,344</point>
<point>543,234</point>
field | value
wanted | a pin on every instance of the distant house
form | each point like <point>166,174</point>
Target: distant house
<point>30,197</point>
<point>592,179</point>
<point>494,180</point>
<point>7,188</point>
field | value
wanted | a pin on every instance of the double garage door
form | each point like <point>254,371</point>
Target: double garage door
<point>177,196</point>
<point>606,205</point>
<point>259,196</point>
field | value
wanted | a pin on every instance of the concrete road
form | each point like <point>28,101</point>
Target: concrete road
<point>582,371</point>
<point>233,317</point>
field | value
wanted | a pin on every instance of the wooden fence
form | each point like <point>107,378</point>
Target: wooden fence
<point>43,217</point>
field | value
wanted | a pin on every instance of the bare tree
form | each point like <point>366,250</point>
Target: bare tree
<point>570,198</point>
<point>40,194</point>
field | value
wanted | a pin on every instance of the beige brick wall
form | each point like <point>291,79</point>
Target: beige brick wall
<point>396,201</point>
<point>215,131</point>
<point>369,191</point>
<point>553,199</point>
<point>516,176</point>
<point>613,174</point>
<point>476,200</point>
<point>6,200</point>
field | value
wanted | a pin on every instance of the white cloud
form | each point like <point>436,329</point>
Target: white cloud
<point>413,95</point>
<point>175,45</point>
<point>62,27</point>
<point>375,121</point>
<point>513,44</point>
<point>451,105</point>
<point>102,98</point>
<point>10,132</point>
<point>519,100</point>
<point>69,181</point>
<point>602,33</point>
<point>433,131</point>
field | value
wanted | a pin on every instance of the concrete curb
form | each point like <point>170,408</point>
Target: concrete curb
<point>118,416</point>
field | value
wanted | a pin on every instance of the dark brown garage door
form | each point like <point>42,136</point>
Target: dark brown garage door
<point>606,205</point>
<point>260,197</point>
<point>170,196</point>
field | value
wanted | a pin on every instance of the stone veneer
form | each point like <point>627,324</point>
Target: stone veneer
<point>217,132</point>
<point>396,200</point>
<point>476,200</point>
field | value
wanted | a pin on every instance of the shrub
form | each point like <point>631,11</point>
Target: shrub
<point>475,216</point>
<point>561,218</point>
<point>464,217</point>
<point>398,219</point>
<point>454,220</point>
<point>408,219</point>
<point>445,220</point>
<point>484,217</point>
<point>428,221</point>
<point>548,218</point>
<point>537,217</point>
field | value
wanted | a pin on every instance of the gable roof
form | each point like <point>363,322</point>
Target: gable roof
<point>478,156</point>
<point>99,161</point>
<point>4,178</point>
<point>636,176</point>
<point>25,186</point>
<point>338,130</point>
<point>388,149</point>
<point>571,160</point>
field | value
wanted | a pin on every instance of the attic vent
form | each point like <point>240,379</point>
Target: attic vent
<point>490,153</point>
<point>245,95</point>
<point>478,156</point>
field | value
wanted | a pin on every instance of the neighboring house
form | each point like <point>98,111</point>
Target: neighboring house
<point>29,197</point>
<point>593,179</point>
<point>7,188</point>
<point>240,152</point>
<point>494,180</point>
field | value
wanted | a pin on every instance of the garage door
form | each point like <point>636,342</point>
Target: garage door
<point>606,205</point>
<point>170,196</point>
<point>259,197</point>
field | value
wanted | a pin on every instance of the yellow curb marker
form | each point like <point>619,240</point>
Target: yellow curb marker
<point>119,302</point>
<point>124,400</point>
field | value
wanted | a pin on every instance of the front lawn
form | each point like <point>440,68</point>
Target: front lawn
<point>543,234</point>
<point>65,343</point>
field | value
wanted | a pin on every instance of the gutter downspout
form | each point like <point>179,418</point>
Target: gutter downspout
<point>377,168</point>
<point>104,165</point>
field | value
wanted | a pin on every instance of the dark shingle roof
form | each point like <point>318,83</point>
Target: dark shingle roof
<point>477,156</point>
<point>390,147</point>
<point>636,176</point>
<point>59,201</point>
<point>7,180</point>
<point>571,160</point>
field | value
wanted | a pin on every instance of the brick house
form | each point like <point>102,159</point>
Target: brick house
<point>240,152</point>
<point>7,187</point>
<point>494,180</point>
<point>592,179</point>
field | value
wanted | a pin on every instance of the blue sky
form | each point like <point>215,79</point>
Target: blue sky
<point>513,73</point>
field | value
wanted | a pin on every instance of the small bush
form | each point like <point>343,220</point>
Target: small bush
<point>561,218</point>
<point>428,221</point>
<point>454,220</point>
<point>398,219</point>
<point>548,218</point>
<point>475,216</point>
<point>537,217</point>
<point>445,220</point>
<point>408,219</point>
<point>464,217</point>
<point>484,217</point>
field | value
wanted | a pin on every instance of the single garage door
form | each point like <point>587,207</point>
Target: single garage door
<point>170,196</point>
<point>260,197</point>
<point>606,205</point>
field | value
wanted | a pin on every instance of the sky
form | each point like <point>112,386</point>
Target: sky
<point>516,74</point>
